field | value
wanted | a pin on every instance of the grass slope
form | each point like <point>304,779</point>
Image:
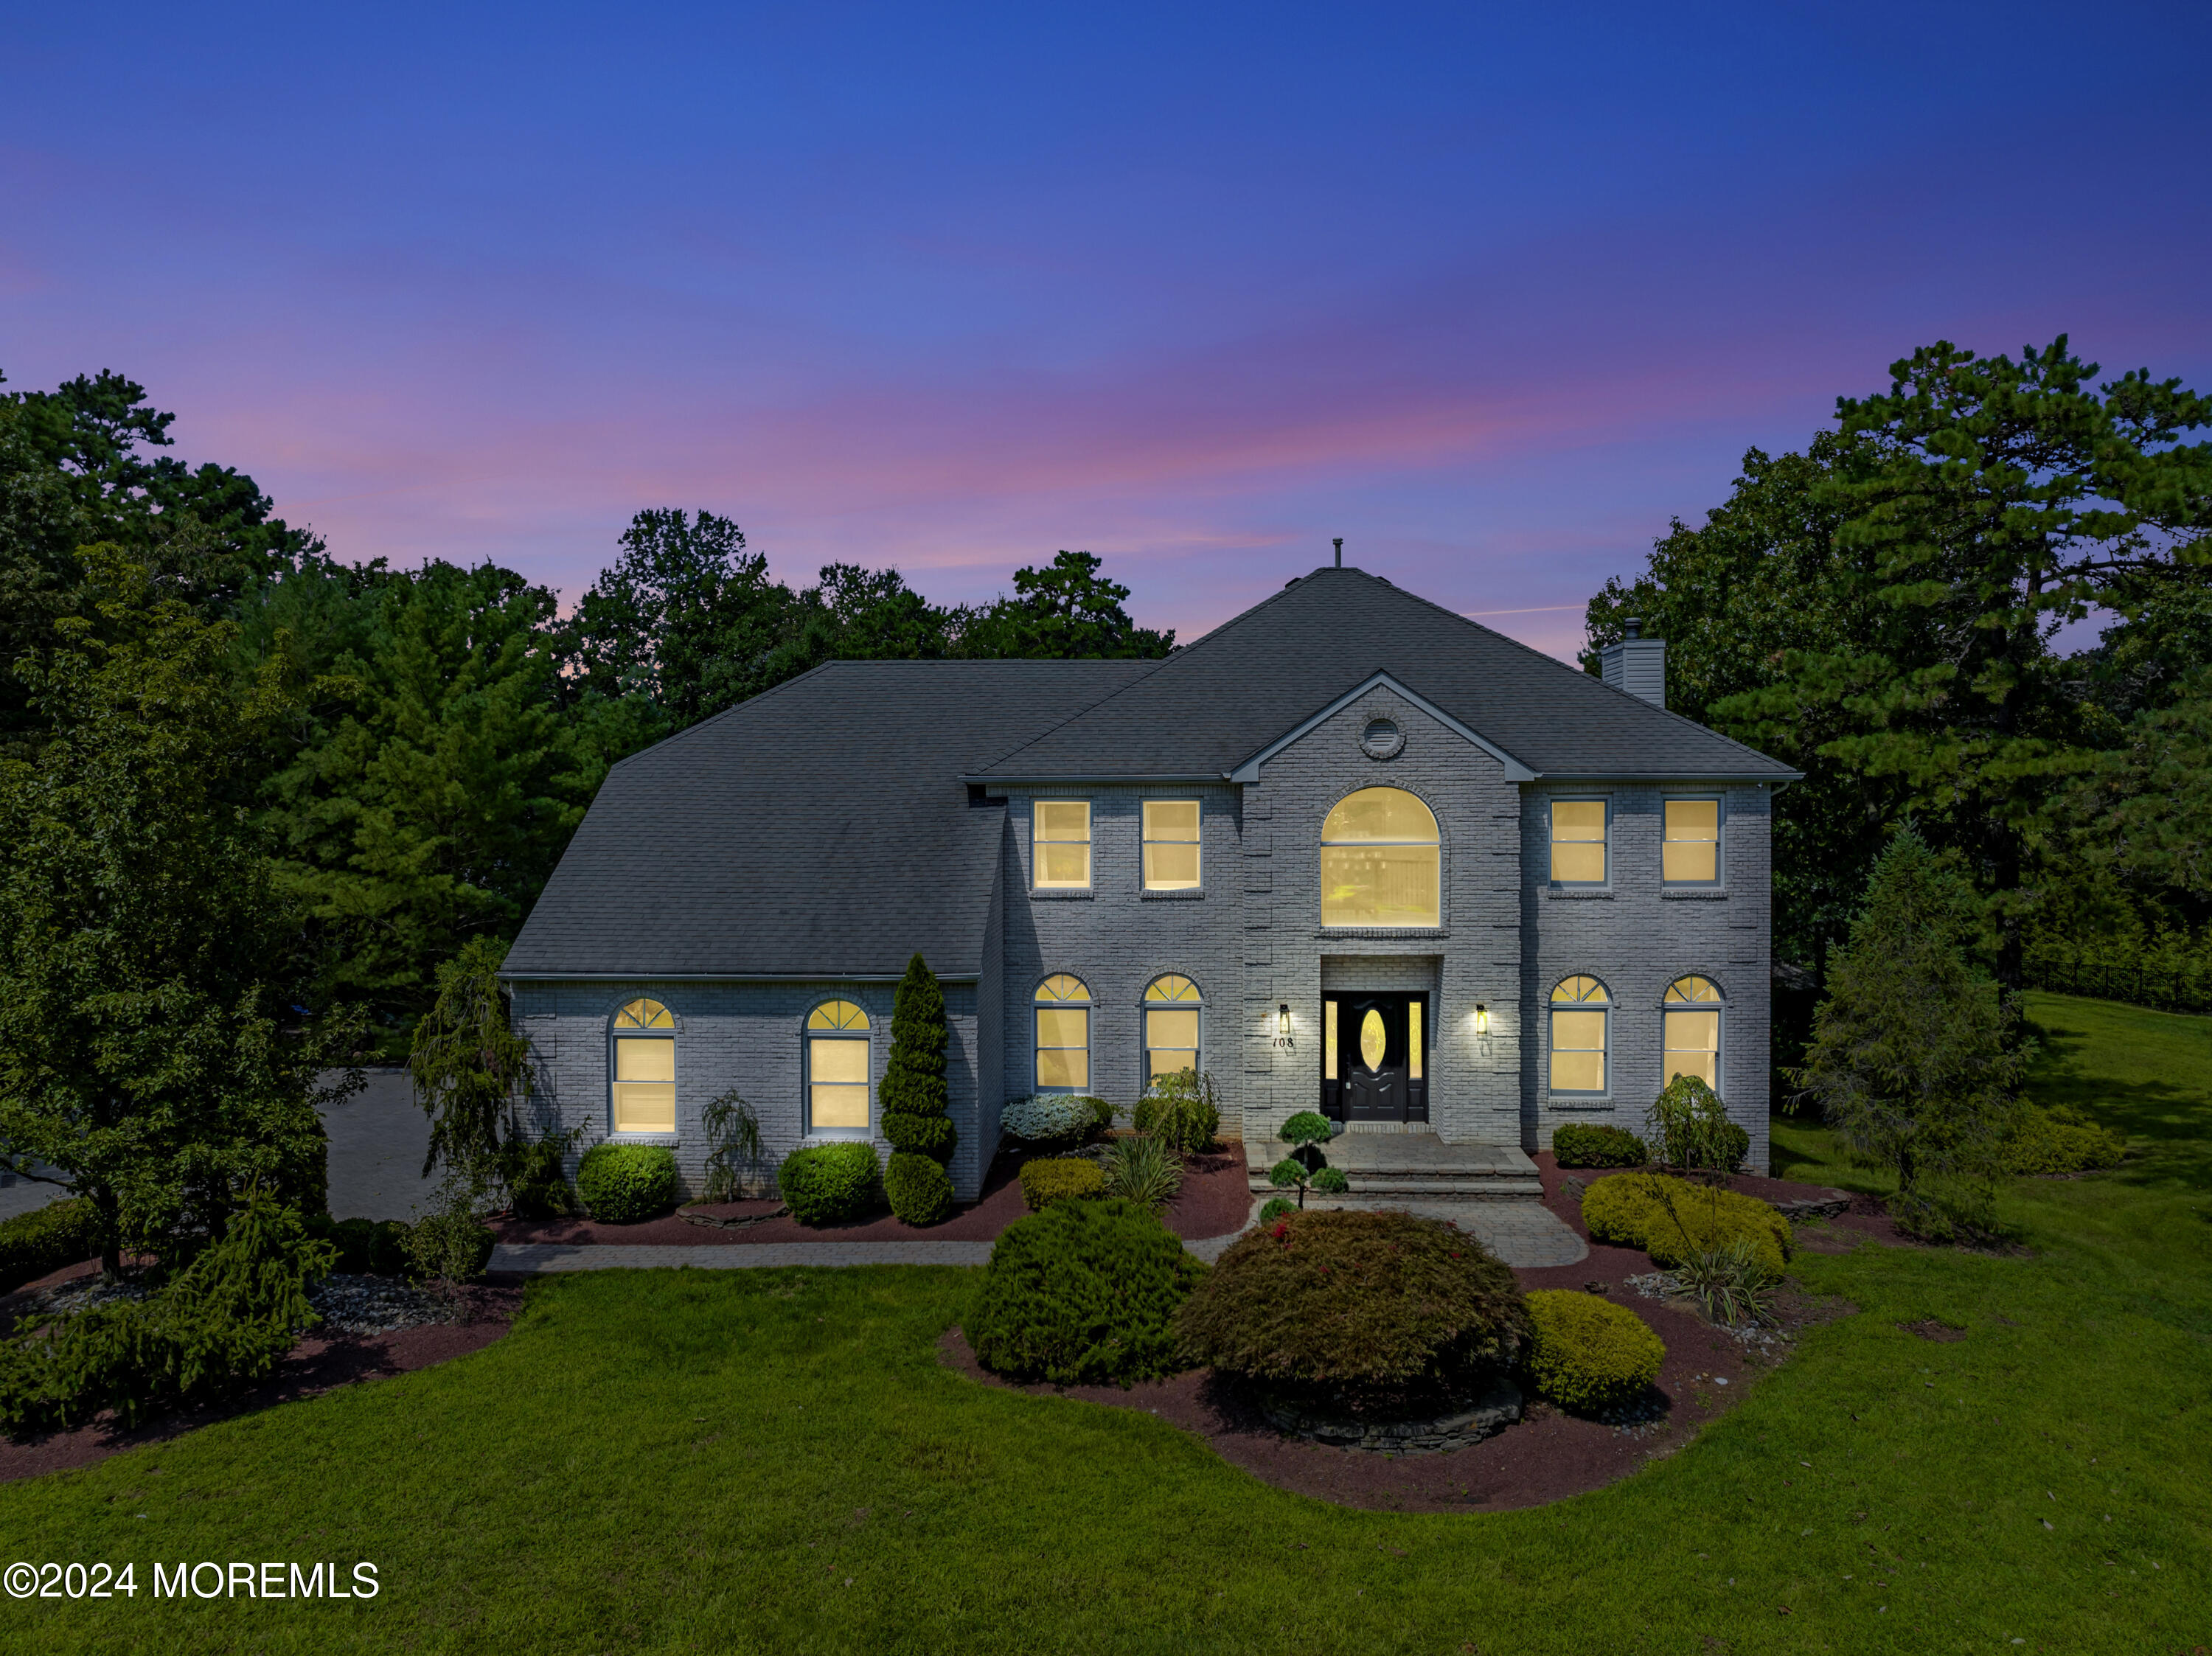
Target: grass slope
<point>774,1461</point>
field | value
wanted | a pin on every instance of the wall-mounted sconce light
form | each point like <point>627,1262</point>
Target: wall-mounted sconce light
<point>1282,1018</point>
<point>1481,1019</point>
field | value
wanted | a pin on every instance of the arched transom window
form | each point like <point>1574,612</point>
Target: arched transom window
<point>1171,1012</point>
<point>1692,1012</point>
<point>837,1068</point>
<point>644,1069</point>
<point>1380,856</point>
<point>1581,1010</point>
<point>1063,1034</point>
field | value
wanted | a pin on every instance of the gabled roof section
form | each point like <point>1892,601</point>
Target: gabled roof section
<point>820,829</point>
<point>1211,708</point>
<point>1249,770</point>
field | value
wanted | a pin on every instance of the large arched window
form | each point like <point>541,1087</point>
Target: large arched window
<point>1581,1010</point>
<point>1063,1034</point>
<point>1171,1010</point>
<point>1691,1014</point>
<point>644,1068</point>
<point>1379,859</point>
<point>837,1068</point>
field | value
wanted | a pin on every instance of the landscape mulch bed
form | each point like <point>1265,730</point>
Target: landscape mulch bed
<point>1547,1457</point>
<point>318,1363</point>
<point>1214,1201</point>
<point>1837,1233</point>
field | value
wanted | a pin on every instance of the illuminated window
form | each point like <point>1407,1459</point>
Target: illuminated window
<point>1328,1072</point>
<point>1063,1034</point>
<point>644,1069</point>
<point>837,1068</point>
<point>1379,859</point>
<point>1691,853</point>
<point>1172,1007</point>
<point>1061,843</point>
<point>1578,841</point>
<point>1170,845</point>
<point>1692,1012</point>
<point>1580,1009</point>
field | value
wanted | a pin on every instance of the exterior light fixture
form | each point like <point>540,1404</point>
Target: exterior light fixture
<point>1481,1019</point>
<point>1282,1018</point>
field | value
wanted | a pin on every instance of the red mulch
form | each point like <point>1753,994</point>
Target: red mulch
<point>318,1363</point>
<point>1214,1201</point>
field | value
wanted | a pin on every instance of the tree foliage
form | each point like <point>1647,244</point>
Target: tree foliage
<point>470,1068</point>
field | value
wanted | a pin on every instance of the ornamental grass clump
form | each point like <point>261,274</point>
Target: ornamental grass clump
<point>1589,1354</point>
<point>1060,1179</point>
<point>1582,1144</point>
<point>1730,1284</point>
<point>1143,1171</point>
<point>1357,1310</point>
<point>1083,1293</point>
<point>830,1184</point>
<point>622,1184</point>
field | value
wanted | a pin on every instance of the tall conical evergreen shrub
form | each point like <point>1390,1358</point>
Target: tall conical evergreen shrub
<point>915,1100</point>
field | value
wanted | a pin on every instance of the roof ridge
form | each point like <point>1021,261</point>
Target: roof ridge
<point>1089,707</point>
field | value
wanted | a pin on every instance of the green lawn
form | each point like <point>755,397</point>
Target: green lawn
<point>775,1461</point>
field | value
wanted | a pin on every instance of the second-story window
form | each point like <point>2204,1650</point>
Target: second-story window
<point>1691,854</point>
<point>1061,845</point>
<point>1578,842</point>
<point>1170,845</point>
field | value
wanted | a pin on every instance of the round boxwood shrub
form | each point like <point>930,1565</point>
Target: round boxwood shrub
<point>1083,1293</point>
<point>1588,1353</point>
<point>1060,1179</point>
<point>1582,1144</point>
<point>1357,1308</point>
<point>918,1188</point>
<point>829,1184</point>
<point>1632,1210</point>
<point>1275,1207</point>
<point>622,1184</point>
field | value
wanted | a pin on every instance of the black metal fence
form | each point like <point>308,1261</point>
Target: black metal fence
<point>2163,988</point>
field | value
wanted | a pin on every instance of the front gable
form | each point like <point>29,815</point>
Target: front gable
<point>1248,770</point>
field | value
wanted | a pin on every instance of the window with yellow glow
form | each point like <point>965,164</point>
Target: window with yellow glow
<point>1170,845</point>
<point>1691,853</point>
<point>1692,1014</point>
<point>1061,843</point>
<point>1578,841</point>
<point>1413,1038</point>
<point>1171,1008</point>
<point>1063,1034</point>
<point>1329,1070</point>
<point>1580,1011</point>
<point>837,1068</point>
<point>644,1068</point>
<point>1381,859</point>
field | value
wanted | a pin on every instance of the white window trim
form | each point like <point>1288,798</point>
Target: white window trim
<point>1719,881</point>
<point>1605,799</point>
<point>807,1038</point>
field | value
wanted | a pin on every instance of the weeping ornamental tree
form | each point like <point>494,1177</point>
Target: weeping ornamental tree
<point>1908,1056</point>
<point>916,1103</point>
<point>469,1068</point>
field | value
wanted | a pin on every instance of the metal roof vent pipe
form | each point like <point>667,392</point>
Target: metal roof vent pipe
<point>1637,664</point>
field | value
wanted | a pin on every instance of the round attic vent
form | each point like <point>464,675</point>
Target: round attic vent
<point>1382,739</point>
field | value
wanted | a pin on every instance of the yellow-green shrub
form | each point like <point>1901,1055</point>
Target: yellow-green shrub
<point>1631,1209</point>
<point>1060,1179</point>
<point>1695,1228</point>
<point>1588,1353</point>
<point>1618,1209</point>
<point>2062,1140</point>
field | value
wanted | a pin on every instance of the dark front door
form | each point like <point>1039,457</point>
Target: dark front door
<point>1381,1075</point>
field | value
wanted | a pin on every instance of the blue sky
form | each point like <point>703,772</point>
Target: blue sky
<point>1494,292</point>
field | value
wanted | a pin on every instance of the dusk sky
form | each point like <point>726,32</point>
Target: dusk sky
<point>1491,291</point>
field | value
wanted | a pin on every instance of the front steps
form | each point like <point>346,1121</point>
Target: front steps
<point>1410,1169</point>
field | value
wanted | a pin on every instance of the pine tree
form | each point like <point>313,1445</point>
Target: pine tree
<point>916,1103</point>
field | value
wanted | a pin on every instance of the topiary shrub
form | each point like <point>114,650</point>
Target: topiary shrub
<point>60,1234</point>
<point>1670,1218</point>
<point>2062,1140</point>
<point>1364,1310</point>
<point>1274,1208</point>
<point>1083,1293</point>
<point>1060,1179</point>
<point>1331,1181</point>
<point>1049,1117</point>
<point>1588,1353</point>
<point>918,1188</point>
<point>914,1099</point>
<point>829,1184</point>
<point>1579,1145</point>
<point>622,1184</point>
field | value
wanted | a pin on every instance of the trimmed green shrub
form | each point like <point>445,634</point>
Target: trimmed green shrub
<point>1102,1114</point>
<point>918,1188</point>
<point>64,1233</point>
<point>1274,1208</point>
<point>1588,1353</point>
<point>1060,1179</point>
<point>1182,1110</point>
<point>1693,1229</point>
<point>1331,1181</point>
<point>829,1184</point>
<point>1367,1306</point>
<point>1050,1117</point>
<point>1083,1293</point>
<point>1144,1171</point>
<point>915,1098</point>
<point>1306,1127</point>
<point>1581,1144</point>
<point>622,1184</point>
<point>2062,1140</point>
<point>537,1184</point>
<point>365,1247</point>
<point>1670,1218</point>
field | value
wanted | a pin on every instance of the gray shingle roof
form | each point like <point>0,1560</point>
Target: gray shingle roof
<point>1212,706</point>
<point>819,828</point>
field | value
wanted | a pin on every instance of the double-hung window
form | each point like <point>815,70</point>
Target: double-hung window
<point>644,1086</point>
<point>1170,845</point>
<point>1063,1034</point>
<point>1581,1010</point>
<point>1171,1008</point>
<point>1691,854</point>
<point>1692,1014</point>
<point>837,1068</point>
<point>1578,841</point>
<point>1060,843</point>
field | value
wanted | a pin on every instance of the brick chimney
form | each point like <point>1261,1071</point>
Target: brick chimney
<point>1637,664</point>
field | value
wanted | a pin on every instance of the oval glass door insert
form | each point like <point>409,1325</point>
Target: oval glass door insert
<point>1372,1040</point>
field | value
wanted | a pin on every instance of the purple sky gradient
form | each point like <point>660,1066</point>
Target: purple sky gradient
<point>1494,296</point>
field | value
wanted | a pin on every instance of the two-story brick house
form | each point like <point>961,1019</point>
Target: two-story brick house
<point>1349,852</point>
